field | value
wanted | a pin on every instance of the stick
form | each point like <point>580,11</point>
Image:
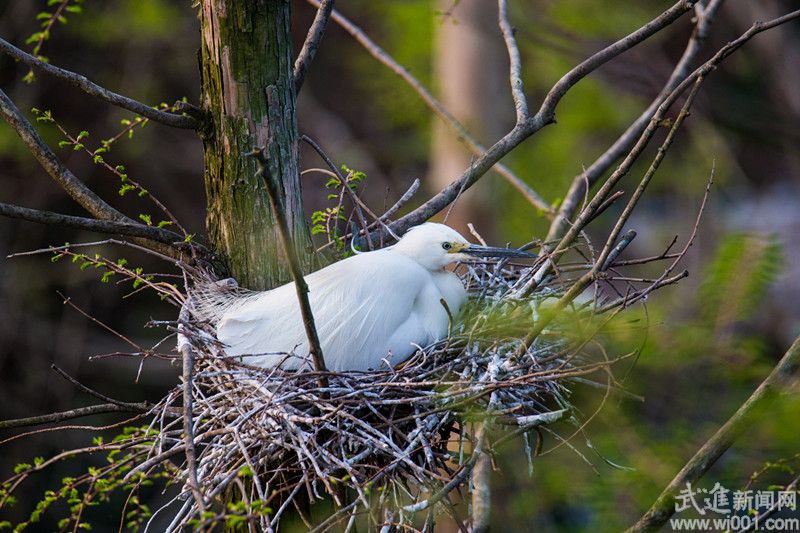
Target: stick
<point>127,229</point>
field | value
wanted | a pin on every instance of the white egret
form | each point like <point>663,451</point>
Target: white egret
<point>370,310</point>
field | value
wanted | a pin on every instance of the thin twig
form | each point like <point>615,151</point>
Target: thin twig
<point>461,132</point>
<point>583,181</point>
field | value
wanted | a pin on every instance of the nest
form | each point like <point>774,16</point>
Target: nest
<point>386,447</point>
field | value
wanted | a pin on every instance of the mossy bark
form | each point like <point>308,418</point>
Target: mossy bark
<point>248,93</point>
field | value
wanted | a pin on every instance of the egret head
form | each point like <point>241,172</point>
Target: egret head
<point>434,246</point>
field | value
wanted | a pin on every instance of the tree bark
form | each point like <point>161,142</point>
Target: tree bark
<point>248,94</point>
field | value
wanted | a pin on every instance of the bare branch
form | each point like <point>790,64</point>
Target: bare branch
<point>461,132</point>
<point>585,280</point>
<point>545,116</point>
<point>625,141</point>
<point>695,78</point>
<point>515,67</point>
<point>294,264</point>
<point>74,413</point>
<point>309,50</point>
<point>777,381</point>
<point>91,88</point>
<point>128,229</point>
<point>92,392</point>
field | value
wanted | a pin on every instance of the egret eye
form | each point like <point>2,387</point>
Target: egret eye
<point>446,245</point>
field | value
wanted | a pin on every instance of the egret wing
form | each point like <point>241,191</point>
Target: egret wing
<point>358,304</point>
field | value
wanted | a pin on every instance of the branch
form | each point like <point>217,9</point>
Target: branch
<point>77,190</point>
<point>585,280</point>
<point>695,78</point>
<point>625,142</point>
<point>461,132</point>
<point>91,88</point>
<point>129,229</point>
<point>309,50</point>
<point>777,382</point>
<point>74,413</point>
<point>515,67</point>
<point>74,187</point>
<point>103,397</point>
<point>294,264</point>
<point>544,116</point>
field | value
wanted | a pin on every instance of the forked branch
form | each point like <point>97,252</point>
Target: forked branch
<point>544,116</point>
<point>436,106</point>
<point>57,170</point>
<point>583,181</point>
<point>127,229</point>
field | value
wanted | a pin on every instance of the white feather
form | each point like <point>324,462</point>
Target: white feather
<point>368,308</point>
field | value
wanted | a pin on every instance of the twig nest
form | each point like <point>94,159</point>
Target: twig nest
<point>398,439</point>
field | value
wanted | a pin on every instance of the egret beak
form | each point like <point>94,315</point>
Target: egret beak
<point>491,251</point>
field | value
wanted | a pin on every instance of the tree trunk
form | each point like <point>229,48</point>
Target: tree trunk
<point>248,93</point>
